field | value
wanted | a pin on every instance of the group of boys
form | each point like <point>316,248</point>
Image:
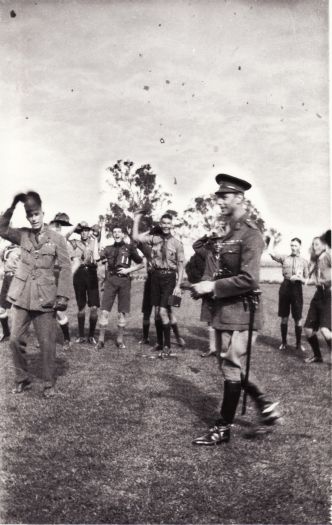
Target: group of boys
<point>42,284</point>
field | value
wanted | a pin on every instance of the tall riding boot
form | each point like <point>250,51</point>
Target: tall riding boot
<point>221,432</point>
<point>5,329</point>
<point>266,408</point>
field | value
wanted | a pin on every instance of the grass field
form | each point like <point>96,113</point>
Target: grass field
<point>114,445</point>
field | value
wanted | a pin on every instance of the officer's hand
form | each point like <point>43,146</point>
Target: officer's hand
<point>204,287</point>
<point>20,197</point>
<point>61,303</point>
<point>177,291</point>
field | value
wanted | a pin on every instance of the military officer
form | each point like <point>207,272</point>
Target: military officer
<point>85,251</point>
<point>33,291</point>
<point>239,260</point>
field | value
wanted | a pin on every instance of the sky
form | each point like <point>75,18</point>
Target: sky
<point>193,88</point>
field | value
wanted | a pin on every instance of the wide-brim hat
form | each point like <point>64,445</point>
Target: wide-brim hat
<point>95,228</point>
<point>83,225</point>
<point>61,218</point>
<point>230,184</point>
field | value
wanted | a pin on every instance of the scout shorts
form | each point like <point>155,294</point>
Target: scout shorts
<point>162,286</point>
<point>86,287</point>
<point>319,313</point>
<point>290,299</point>
<point>116,286</point>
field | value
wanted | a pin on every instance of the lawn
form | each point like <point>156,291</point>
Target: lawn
<point>114,445</point>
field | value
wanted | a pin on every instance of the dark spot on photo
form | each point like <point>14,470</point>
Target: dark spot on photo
<point>12,13</point>
<point>146,88</point>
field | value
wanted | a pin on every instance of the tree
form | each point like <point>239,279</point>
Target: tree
<point>132,189</point>
<point>203,216</point>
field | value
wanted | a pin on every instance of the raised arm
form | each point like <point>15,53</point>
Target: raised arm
<point>6,232</point>
<point>139,237</point>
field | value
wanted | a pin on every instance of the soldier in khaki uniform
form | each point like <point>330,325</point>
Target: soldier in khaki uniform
<point>239,260</point>
<point>33,291</point>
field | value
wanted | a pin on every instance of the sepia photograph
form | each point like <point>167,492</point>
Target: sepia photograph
<point>165,262</point>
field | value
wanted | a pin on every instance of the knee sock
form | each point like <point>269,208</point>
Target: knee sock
<point>65,331</point>
<point>146,329</point>
<point>212,339</point>
<point>167,334</point>
<point>175,329</point>
<point>5,327</point>
<point>92,322</point>
<point>298,333</point>
<point>120,333</point>
<point>81,322</point>
<point>159,330</point>
<point>284,329</point>
<point>314,343</point>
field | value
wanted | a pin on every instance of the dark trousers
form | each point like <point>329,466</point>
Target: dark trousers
<point>45,325</point>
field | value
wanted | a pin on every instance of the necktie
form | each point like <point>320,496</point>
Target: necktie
<point>164,250</point>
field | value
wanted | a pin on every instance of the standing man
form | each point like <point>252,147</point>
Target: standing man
<point>85,252</point>
<point>240,262</point>
<point>167,267</point>
<point>119,257</point>
<point>295,272</point>
<point>33,291</point>
<point>60,220</point>
<point>10,256</point>
<point>319,313</point>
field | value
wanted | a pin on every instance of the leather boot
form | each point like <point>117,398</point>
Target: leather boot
<point>221,431</point>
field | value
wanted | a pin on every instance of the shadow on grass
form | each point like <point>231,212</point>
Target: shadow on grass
<point>35,365</point>
<point>204,406</point>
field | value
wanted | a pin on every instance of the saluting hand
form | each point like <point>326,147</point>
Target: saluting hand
<point>19,197</point>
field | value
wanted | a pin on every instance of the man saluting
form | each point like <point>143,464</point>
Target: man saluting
<point>239,257</point>
<point>33,291</point>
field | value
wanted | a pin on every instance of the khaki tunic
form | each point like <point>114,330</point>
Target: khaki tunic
<point>34,286</point>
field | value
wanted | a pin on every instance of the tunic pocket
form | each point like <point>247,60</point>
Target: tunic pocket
<point>46,291</point>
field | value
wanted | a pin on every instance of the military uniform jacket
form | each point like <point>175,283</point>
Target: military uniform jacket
<point>240,254</point>
<point>33,286</point>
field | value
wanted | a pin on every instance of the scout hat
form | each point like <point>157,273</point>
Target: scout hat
<point>96,228</point>
<point>229,184</point>
<point>83,225</point>
<point>32,201</point>
<point>61,218</point>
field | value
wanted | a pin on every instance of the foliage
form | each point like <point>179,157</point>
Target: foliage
<point>133,189</point>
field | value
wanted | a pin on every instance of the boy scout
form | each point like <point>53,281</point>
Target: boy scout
<point>239,262</point>
<point>33,291</point>
<point>319,313</point>
<point>167,267</point>
<point>10,257</point>
<point>85,252</point>
<point>119,257</point>
<point>60,220</point>
<point>295,273</point>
